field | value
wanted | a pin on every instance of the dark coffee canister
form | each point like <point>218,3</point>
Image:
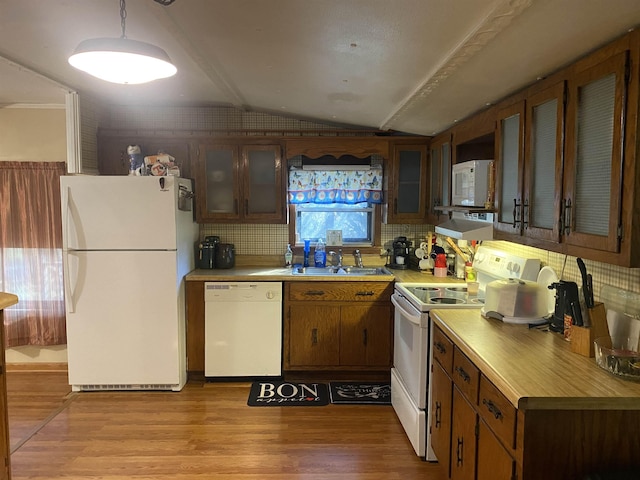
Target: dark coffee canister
<point>206,254</point>
<point>225,255</point>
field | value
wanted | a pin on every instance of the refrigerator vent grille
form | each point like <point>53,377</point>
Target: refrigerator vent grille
<point>127,387</point>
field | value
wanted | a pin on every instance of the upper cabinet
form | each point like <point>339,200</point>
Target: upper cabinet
<point>529,167</point>
<point>567,157</point>
<point>439,178</point>
<point>406,181</point>
<point>596,117</point>
<point>240,182</point>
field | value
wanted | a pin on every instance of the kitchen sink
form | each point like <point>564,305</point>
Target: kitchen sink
<point>348,271</point>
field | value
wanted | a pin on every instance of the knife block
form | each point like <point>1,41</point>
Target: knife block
<point>582,337</point>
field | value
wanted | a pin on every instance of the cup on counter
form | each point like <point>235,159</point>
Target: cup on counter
<point>472,288</point>
<point>400,260</point>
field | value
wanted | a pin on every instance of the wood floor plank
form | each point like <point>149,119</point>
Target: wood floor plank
<point>204,432</point>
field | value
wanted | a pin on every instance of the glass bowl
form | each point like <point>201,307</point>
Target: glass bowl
<point>619,356</point>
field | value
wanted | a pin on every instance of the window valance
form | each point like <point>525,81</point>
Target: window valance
<point>335,186</point>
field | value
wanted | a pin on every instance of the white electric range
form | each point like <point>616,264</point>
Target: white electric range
<point>410,382</point>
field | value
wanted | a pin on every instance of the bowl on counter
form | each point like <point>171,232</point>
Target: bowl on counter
<point>619,356</point>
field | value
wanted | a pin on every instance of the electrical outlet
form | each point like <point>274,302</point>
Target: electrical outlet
<point>334,238</point>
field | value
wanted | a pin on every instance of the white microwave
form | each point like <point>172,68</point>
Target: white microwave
<point>470,183</point>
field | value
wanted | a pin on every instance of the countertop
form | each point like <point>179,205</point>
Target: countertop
<point>281,274</point>
<point>7,299</point>
<point>535,369</point>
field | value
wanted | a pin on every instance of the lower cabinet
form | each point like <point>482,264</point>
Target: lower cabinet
<point>338,326</point>
<point>473,425</point>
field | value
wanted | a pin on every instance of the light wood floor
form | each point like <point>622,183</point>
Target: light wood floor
<point>204,432</point>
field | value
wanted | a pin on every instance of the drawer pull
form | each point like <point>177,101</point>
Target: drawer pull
<point>438,414</point>
<point>459,450</point>
<point>365,294</point>
<point>493,409</point>
<point>314,293</point>
<point>464,375</point>
<point>365,337</point>
<point>314,336</point>
<point>441,348</point>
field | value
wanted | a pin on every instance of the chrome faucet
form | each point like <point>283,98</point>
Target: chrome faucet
<point>339,255</point>
<point>358,257</point>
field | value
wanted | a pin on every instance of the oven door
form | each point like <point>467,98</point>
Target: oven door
<point>411,349</point>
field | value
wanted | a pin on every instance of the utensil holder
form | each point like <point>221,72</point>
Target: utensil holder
<point>582,337</point>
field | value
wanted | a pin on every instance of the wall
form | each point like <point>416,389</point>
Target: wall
<point>35,135</point>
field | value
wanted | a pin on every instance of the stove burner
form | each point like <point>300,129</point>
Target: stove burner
<point>457,289</point>
<point>477,300</point>
<point>445,300</point>
<point>426,289</point>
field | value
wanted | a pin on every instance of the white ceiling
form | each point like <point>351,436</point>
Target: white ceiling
<point>407,65</point>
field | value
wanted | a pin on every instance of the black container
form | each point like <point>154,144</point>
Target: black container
<point>225,255</point>
<point>206,252</point>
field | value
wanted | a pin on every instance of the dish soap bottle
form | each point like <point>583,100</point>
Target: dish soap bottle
<point>319,255</point>
<point>288,256</point>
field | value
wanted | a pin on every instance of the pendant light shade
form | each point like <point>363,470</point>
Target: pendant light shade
<point>121,60</point>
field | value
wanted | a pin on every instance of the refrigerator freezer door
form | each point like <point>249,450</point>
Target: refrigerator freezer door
<point>125,327</point>
<point>119,213</point>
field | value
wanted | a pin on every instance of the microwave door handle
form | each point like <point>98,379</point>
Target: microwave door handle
<point>412,317</point>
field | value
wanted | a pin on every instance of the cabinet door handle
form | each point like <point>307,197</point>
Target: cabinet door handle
<point>516,213</point>
<point>314,293</point>
<point>364,294</point>
<point>525,215</point>
<point>438,414</point>
<point>246,207</point>
<point>464,375</point>
<point>459,450</point>
<point>235,206</point>
<point>493,408</point>
<point>441,348</point>
<point>566,217</point>
<point>314,336</point>
<point>365,335</point>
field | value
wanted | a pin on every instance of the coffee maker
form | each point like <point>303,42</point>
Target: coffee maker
<point>206,252</point>
<point>400,254</point>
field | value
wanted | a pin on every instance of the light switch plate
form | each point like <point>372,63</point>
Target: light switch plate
<point>334,237</point>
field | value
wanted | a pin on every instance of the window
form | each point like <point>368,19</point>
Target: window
<point>356,221</point>
<point>336,199</point>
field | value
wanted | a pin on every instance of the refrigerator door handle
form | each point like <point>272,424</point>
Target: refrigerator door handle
<point>68,292</point>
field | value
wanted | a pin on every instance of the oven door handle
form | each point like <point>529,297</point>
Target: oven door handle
<point>402,304</point>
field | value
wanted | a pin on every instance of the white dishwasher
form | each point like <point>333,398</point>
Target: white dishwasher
<point>242,329</point>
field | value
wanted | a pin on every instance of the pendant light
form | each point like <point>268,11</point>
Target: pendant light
<point>121,60</point>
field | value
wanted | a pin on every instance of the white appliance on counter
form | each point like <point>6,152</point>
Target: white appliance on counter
<point>127,244</point>
<point>410,375</point>
<point>242,329</point>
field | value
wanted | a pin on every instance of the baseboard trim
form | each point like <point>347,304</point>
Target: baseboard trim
<point>37,367</point>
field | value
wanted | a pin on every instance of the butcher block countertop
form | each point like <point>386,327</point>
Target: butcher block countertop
<point>7,299</point>
<point>533,368</point>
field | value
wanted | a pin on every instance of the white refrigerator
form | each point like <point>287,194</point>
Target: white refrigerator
<point>128,242</point>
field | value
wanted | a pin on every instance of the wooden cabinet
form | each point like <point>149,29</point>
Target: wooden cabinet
<point>529,172</point>
<point>567,158</point>
<point>337,326</point>
<point>472,421</point>
<point>240,182</point>
<point>406,184</point>
<point>439,178</point>
<point>596,113</point>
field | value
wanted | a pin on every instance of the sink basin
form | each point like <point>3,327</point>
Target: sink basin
<point>347,271</point>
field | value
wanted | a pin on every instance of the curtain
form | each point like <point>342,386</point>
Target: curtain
<point>31,252</point>
<point>335,186</point>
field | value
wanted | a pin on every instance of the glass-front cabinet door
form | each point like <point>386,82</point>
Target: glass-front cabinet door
<point>221,193</point>
<point>263,184</point>
<point>408,190</point>
<point>543,164</point>
<point>439,178</point>
<point>593,172</point>
<point>240,182</point>
<point>509,171</point>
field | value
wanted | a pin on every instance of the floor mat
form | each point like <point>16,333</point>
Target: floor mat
<point>285,394</point>
<point>360,393</point>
